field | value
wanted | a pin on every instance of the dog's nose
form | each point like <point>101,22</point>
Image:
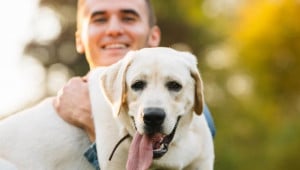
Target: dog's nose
<point>154,116</point>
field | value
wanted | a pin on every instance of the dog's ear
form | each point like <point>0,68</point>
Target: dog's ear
<point>113,83</point>
<point>199,97</point>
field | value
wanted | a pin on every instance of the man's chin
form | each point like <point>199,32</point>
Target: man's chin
<point>112,57</point>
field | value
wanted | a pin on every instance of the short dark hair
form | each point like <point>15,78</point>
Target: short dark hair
<point>151,13</point>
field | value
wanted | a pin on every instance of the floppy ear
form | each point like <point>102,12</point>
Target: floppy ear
<point>113,83</point>
<point>199,97</point>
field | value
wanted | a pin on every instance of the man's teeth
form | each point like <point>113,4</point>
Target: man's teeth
<point>113,46</point>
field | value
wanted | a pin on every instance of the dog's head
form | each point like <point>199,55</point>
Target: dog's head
<point>155,87</point>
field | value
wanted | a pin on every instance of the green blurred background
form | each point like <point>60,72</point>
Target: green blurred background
<point>249,56</point>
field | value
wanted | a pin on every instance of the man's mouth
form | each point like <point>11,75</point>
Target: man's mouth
<point>115,46</point>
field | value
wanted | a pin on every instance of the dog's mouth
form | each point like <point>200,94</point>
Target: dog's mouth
<point>160,142</point>
<point>159,145</point>
<point>146,147</point>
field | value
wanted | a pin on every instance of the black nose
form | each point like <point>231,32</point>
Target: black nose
<point>154,116</point>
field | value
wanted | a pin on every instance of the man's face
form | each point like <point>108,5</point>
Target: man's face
<point>108,29</point>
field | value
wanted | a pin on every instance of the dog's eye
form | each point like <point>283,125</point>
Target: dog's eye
<point>173,86</point>
<point>138,85</point>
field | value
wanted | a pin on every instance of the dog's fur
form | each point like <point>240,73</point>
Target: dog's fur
<point>38,138</point>
<point>192,146</point>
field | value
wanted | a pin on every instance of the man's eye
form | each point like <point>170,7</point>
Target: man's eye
<point>128,18</point>
<point>99,20</point>
<point>174,86</point>
<point>138,85</point>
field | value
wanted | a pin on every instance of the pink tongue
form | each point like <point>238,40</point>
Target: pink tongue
<point>140,153</point>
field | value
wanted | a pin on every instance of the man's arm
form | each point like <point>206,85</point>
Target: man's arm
<point>73,105</point>
<point>91,155</point>
<point>210,121</point>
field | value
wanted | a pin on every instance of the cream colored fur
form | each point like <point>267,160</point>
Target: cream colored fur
<point>192,146</point>
<point>38,139</point>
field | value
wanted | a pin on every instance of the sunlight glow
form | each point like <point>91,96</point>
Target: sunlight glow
<point>58,75</point>
<point>240,85</point>
<point>22,77</point>
<point>46,26</point>
<point>220,58</point>
<point>216,8</point>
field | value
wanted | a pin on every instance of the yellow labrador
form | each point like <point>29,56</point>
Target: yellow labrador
<point>156,97</point>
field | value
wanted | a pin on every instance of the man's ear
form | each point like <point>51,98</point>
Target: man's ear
<point>154,36</point>
<point>113,83</point>
<point>79,45</point>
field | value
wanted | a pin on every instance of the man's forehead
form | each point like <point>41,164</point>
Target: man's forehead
<point>115,5</point>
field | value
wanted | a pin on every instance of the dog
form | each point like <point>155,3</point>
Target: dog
<point>147,110</point>
<point>153,117</point>
<point>37,138</point>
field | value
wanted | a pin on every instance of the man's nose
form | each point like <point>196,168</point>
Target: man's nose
<point>115,27</point>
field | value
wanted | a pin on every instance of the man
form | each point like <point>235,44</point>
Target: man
<point>106,31</point>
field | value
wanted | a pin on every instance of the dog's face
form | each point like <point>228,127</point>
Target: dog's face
<point>155,87</point>
<point>160,89</point>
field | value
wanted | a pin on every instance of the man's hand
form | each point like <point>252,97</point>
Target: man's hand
<point>73,105</point>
